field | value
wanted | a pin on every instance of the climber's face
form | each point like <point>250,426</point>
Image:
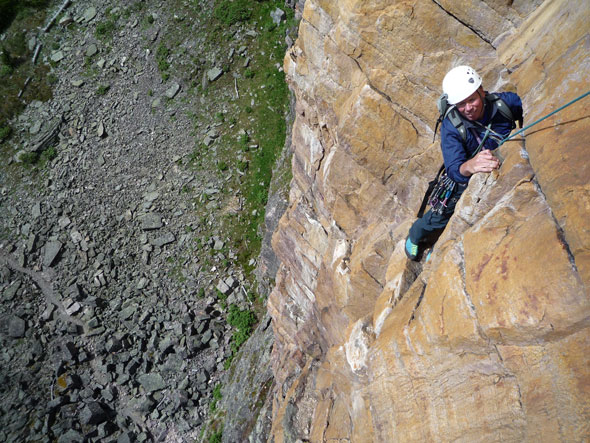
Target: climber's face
<point>472,106</point>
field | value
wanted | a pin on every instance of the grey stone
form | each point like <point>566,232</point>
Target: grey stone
<point>223,287</point>
<point>76,237</point>
<point>91,50</point>
<point>127,312</point>
<point>16,327</point>
<point>64,221</point>
<point>278,15</point>
<point>57,56</point>
<point>36,210</point>
<point>10,292</point>
<point>152,382</point>
<point>69,351</point>
<point>77,83</point>
<point>172,90</point>
<point>164,239</point>
<point>126,437</point>
<point>52,250</point>
<point>36,127</point>
<point>73,308</point>
<point>100,130</point>
<point>89,14</point>
<point>71,436</point>
<point>151,196</point>
<point>151,221</point>
<point>207,336</point>
<point>214,73</point>
<point>93,413</point>
<point>65,20</point>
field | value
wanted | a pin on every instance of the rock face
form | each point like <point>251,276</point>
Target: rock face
<point>490,339</point>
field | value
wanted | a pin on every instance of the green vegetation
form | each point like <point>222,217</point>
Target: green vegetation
<point>5,132</point>
<point>15,61</point>
<point>102,89</point>
<point>216,397</point>
<point>216,436</point>
<point>11,9</point>
<point>162,54</point>
<point>41,160</point>
<point>243,321</point>
<point>231,12</point>
<point>105,30</point>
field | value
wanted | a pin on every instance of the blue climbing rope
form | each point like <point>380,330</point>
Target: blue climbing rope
<point>543,118</point>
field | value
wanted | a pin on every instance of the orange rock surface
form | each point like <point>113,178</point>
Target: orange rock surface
<point>489,340</point>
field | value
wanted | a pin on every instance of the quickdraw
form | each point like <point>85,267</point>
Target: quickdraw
<point>441,193</point>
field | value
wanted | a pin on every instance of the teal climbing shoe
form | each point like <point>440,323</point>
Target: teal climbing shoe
<point>428,256</point>
<point>411,249</point>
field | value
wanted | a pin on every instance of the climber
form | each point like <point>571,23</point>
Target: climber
<point>473,123</point>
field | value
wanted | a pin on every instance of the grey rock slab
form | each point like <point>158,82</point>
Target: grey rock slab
<point>151,221</point>
<point>77,83</point>
<point>57,56</point>
<point>214,73</point>
<point>278,15</point>
<point>152,382</point>
<point>89,14</point>
<point>127,312</point>
<point>100,130</point>
<point>151,196</point>
<point>91,50</point>
<point>52,250</point>
<point>16,327</point>
<point>36,127</point>
<point>36,210</point>
<point>10,292</point>
<point>172,90</point>
<point>164,239</point>
<point>223,287</point>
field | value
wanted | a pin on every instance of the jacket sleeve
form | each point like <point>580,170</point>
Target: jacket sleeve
<point>453,151</point>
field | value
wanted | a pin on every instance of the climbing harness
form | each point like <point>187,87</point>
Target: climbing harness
<point>445,186</point>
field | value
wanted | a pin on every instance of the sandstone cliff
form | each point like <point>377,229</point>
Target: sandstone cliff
<point>489,341</point>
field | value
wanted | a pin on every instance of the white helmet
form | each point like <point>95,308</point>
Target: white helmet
<point>460,83</point>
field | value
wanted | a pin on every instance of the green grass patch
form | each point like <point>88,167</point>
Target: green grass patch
<point>242,321</point>
<point>230,12</point>
<point>105,30</point>
<point>216,397</point>
<point>162,54</point>
<point>102,89</point>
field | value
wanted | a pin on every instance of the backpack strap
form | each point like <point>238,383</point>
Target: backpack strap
<point>455,117</point>
<point>499,105</point>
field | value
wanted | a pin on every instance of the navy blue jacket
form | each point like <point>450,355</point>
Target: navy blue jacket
<point>456,152</point>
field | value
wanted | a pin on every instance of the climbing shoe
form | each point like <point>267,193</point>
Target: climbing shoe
<point>411,249</point>
<point>428,256</point>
